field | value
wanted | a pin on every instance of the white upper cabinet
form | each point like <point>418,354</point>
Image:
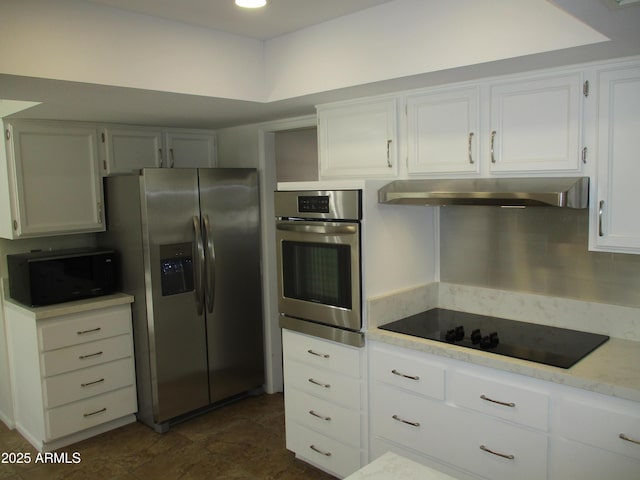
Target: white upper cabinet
<point>615,219</point>
<point>129,148</point>
<point>536,125</point>
<point>190,149</point>
<point>443,132</point>
<point>358,139</point>
<point>50,181</point>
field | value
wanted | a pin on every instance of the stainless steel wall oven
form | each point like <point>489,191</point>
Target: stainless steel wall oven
<point>319,274</point>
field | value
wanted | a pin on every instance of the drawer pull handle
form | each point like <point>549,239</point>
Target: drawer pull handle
<point>317,415</point>
<point>93,330</point>
<point>400,374</point>
<point>323,355</point>
<point>506,404</point>
<point>503,455</point>
<point>627,438</point>
<point>95,413</point>
<point>316,449</point>
<point>399,419</point>
<point>89,355</point>
<point>88,384</point>
<point>315,382</point>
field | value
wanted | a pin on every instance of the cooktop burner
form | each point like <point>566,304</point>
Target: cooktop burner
<point>559,347</point>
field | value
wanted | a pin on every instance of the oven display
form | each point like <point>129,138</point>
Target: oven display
<point>314,204</point>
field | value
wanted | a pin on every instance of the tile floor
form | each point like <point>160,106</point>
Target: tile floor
<point>244,440</point>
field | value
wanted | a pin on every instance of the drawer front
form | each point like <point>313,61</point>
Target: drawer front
<point>571,459</point>
<point>322,383</point>
<point>500,399</point>
<point>87,382</point>
<point>85,327</point>
<point>408,372</point>
<point>85,355</point>
<point>331,420</point>
<point>410,420</point>
<point>328,454</point>
<point>496,450</point>
<point>322,353</point>
<point>77,416</point>
<point>600,424</point>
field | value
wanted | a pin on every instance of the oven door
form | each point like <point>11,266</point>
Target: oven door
<point>319,272</point>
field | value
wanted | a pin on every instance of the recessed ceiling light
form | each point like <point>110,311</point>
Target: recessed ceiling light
<point>251,3</point>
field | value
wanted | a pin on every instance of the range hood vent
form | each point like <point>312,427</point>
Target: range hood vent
<point>506,192</point>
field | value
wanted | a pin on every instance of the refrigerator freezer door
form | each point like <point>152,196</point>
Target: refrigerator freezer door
<point>230,212</point>
<point>177,332</point>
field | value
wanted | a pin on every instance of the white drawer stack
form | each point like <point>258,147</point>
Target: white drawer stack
<point>72,373</point>
<point>441,416</point>
<point>87,370</point>
<point>323,406</point>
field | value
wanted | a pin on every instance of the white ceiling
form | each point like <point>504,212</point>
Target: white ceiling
<point>277,18</point>
<point>68,100</point>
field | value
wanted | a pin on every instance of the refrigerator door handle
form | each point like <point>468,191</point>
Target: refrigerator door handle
<point>198,264</point>
<point>210,263</point>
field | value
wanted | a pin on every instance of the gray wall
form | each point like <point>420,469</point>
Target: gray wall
<point>297,155</point>
<point>534,250</point>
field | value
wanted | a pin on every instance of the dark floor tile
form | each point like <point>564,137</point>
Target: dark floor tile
<point>240,441</point>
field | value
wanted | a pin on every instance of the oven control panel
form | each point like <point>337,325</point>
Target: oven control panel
<point>313,204</point>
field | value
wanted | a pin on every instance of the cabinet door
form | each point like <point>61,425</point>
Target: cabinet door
<point>358,140</point>
<point>616,226</point>
<point>190,150</point>
<point>443,132</point>
<point>128,149</point>
<point>536,125</point>
<point>57,186</point>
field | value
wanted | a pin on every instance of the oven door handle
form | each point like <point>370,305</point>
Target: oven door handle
<point>319,229</point>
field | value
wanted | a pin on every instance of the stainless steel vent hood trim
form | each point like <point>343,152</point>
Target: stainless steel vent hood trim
<point>528,192</point>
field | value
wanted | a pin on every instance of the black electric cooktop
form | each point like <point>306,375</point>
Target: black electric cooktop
<point>559,347</point>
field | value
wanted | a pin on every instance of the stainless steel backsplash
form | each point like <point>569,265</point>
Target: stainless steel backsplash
<point>534,250</point>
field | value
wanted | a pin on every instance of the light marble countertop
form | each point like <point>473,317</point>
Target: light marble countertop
<point>391,466</point>
<point>611,369</point>
<point>68,308</point>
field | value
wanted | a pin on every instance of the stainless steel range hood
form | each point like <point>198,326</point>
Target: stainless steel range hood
<point>507,192</point>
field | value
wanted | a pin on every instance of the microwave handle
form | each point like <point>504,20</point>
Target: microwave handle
<point>319,229</point>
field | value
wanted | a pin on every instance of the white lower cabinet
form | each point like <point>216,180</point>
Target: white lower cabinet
<point>477,422</point>
<point>73,375</point>
<point>323,402</point>
<point>595,437</point>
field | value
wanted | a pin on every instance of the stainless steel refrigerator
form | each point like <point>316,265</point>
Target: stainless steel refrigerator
<point>190,254</point>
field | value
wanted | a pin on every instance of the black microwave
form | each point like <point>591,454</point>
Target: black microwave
<point>49,277</point>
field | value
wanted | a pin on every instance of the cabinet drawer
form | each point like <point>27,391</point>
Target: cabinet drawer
<point>332,420</point>
<point>571,459</point>
<point>494,449</point>
<point>77,416</point>
<point>325,384</point>
<point>322,353</point>
<point>412,421</point>
<point>85,355</point>
<point>329,454</point>
<point>87,382</point>
<point>85,327</point>
<point>600,424</point>
<point>409,372</point>
<point>501,399</point>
